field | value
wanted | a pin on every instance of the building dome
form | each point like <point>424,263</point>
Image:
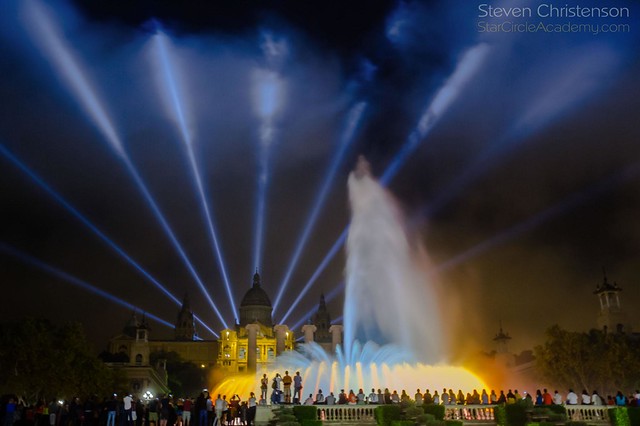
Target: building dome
<point>255,305</point>
<point>256,296</point>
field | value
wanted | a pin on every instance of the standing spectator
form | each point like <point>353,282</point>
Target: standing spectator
<point>187,406</point>
<point>297,388</point>
<point>264,384</point>
<point>127,406</point>
<point>111,406</point>
<point>286,382</point>
<point>220,406</point>
<point>251,409</point>
<point>201,410</point>
<point>53,412</point>
<point>10,411</point>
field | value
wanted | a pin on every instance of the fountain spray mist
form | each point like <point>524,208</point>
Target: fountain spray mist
<point>387,298</point>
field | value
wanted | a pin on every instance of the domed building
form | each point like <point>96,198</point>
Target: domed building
<point>255,341</point>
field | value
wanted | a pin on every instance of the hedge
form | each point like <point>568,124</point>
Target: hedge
<point>309,422</point>
<point>634,415</point>
<point>305,412</point>
<point>619,416</point>
<point>385,414</point>
<point>436,410</point>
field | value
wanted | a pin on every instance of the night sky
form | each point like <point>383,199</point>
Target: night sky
<point>526,185</point>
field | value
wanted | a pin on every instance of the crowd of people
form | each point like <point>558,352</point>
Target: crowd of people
<point>166,410</point>
<point>126,410</point>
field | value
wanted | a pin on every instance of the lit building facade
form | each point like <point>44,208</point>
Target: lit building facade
<point>255,341</point>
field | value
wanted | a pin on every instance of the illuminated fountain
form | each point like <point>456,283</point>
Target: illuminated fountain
<point>389,305</point>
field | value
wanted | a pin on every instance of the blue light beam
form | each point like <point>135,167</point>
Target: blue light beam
<point>354,118</point>
<point>60,55</point>
<point>268,91</point>
<point>52,46</point>
<point>467,66</point>
<point>175,105</point>
<point>571,202</point>
<point>32,261</point>
<point>76,213</point>
<point>329,256</point>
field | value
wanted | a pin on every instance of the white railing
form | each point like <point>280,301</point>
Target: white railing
<point>346,413</point>
<point>469,412</point>
<point>588,413</point>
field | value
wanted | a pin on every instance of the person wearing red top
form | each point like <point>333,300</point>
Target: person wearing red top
<point>547,399</point>
<point>186,411</point>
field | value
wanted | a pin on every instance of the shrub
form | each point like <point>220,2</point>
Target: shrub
<point>413,412</point>
<point>436,410</point>
<point>547,424</point>
<point>500,414</point>
<point>453,422</point>
<point>576,423</point>
<point>634,415</point>
<point>425,418</point>
<point>436,423</point>
<point>516,414</point>
<point>619,416</point>
<point>403,423</point>
<point>385,414</point>
<point>309,422</point>
<point>305,412</point>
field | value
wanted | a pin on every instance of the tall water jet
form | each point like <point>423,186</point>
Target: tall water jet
<point>392,325</point>
<point>387,298</point>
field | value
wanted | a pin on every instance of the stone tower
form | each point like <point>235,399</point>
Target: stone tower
<point>611,318</point>
<point>185,325</point>
<point>322,321</point>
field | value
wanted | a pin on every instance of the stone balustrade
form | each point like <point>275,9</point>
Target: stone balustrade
<point>364,414</point>
<point>358,414</point>
<point>480,413</point>
<point>588,413</point>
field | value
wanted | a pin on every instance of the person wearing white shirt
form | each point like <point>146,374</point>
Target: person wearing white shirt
<point>595,399</point>
<point>557,398</point>
<point>331,400</point>
<point>309,401</point>
<point>585,397</point>
<point>572,398</point>
<point>373,397</point>
<point>319,397</point>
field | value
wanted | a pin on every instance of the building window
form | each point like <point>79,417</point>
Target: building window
<point>270,354</point>
<point>139,359</point>
<point>242,353</point>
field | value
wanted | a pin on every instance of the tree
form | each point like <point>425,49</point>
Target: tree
<point>594,360</point>
<point>39,360</point>
<point>184,377</point>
